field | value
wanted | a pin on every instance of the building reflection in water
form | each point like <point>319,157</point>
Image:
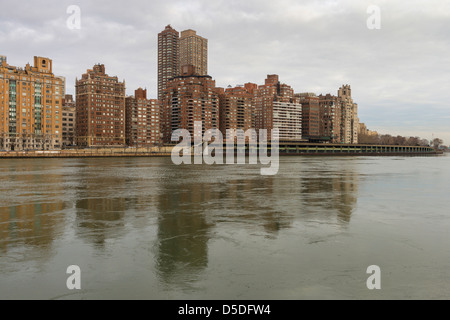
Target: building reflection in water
<point>195,200</point>
<point>35,225</point>
<point>189,204</point>
<point>330,194</point>
<point>183,228</point>
<point>100,219</point>
<point>107,195</point>
<point>26,220</point>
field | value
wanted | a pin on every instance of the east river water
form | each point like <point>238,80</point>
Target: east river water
<point>144,228</point>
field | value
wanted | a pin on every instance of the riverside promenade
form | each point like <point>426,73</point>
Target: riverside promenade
<point>285,149</point>
<point>90,153</point>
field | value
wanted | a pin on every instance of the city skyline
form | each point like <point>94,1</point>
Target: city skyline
<point>397,73</point>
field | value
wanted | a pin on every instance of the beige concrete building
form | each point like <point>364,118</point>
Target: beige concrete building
<point>349,119</point>
<point>194,51</point>
<point>68,124</point>
<point>30,106</point>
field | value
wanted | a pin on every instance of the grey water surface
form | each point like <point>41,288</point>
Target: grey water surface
<point>144,228</point>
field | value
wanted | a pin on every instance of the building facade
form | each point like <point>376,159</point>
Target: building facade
<point>30,106</point>
<point>100,106</point>
<point>142,128</point>
<point>189,98</point>
<point>194,51</point>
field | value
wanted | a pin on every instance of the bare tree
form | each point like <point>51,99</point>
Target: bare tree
<point>437,142</point>
<point>413,141</point>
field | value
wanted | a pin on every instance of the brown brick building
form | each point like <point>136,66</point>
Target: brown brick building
<point>168,57</point>
<point>30,106</point>
<point>330,117</point>
<point>100,104</point>
<point>310,115</point>
<point>142,128</point>
<point>188,98</point>
<point>175,51</point>
<point>236,108</point>
<point>339,117</point>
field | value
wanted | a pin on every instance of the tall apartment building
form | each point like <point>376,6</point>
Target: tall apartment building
<point>168,57</point>
<point>100,104</point>
<point>175,51</point>
<point>236,108</point>
<point>310,115</point>
<point>277,107</point>
<point>349,115</point>
<point>2,58</point>
<point>194,51</point>
<point>189,97</point>
<point>330,117</point>
<point>68,121</point>
<point>142,128</point>
<point>30,106</point>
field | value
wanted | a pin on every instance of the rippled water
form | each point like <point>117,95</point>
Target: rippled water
<point>143,228</point>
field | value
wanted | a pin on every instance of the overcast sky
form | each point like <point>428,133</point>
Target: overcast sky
<point>399,74</point>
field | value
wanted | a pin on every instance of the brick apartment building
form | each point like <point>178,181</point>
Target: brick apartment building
<point>142,127</point>
<point>236,108</point>
<point>330,117</point>
<point>310,115</point>
<point>189,97</point>
<point>100,106</point>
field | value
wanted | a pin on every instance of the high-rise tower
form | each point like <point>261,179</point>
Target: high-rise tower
<point>168,57</point>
